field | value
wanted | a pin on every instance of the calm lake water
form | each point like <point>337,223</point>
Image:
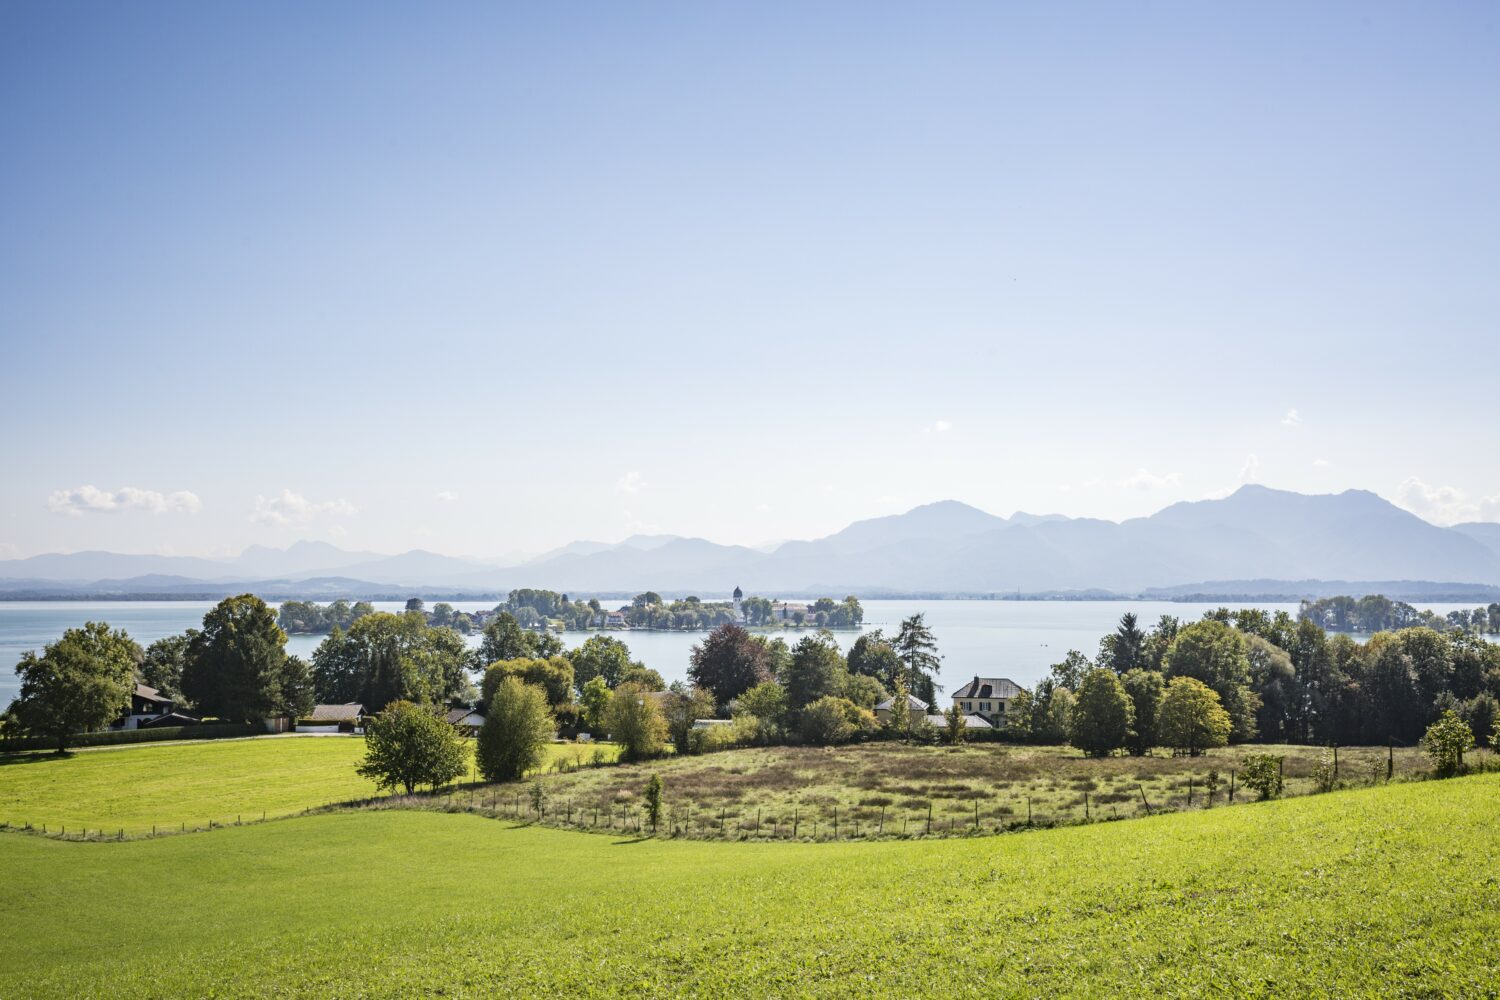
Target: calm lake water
<point>1015,639</point>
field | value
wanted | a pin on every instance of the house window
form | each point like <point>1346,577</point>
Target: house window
<point>968,706</point>
<point>984,706</point>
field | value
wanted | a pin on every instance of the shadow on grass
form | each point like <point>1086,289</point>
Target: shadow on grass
<point>34,757</point>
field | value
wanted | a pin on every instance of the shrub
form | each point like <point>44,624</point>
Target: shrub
<point>636,723</point>
<point>1262,772</point>
<point>409,745</point>
<point>1445,742</point>
<point>826,721</point>
<point>1324,774</point>
<point>517,728</point>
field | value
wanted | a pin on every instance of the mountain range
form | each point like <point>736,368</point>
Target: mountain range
<point>1256,537</point>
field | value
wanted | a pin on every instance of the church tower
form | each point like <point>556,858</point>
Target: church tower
<point>738,595</point>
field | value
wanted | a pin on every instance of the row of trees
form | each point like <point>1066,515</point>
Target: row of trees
<point>309,616</point>
<point>234,668</point>
<point>1279,680</point>
<point>1374,613</point>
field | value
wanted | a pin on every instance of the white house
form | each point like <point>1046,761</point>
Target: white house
<point>987,698</point>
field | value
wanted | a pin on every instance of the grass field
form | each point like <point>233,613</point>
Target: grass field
<point>1381,891</point>
<point>890,786</point>
<point>134,788</point>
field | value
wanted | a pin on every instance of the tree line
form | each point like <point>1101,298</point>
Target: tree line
<point>1374,613</point>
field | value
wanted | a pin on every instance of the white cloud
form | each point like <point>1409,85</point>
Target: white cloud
<point>940,427</point>
<point>631,482</point>
<point>91,499</point>
<point>1250,471</point>
<point>287,507</point>
<point>1445,504</point>
<point>1144,479</point>
<point>1321,463</point>
<point>1292,419</point>
<point>447,496</point>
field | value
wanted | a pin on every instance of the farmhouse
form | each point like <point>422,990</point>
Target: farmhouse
<point>466,720</point>
<point>987,698</point>
<point>916,708</point>
<point>333,719</point>
<point>148,707</point>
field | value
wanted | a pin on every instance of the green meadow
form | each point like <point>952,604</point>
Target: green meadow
<point>134,788</point>
<point>1389,890</point>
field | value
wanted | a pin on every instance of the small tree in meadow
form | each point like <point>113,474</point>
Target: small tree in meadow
<point>409,745</point>
<point>517,728</point>
<point>1445,743</point>
<point>653,800</point>
<point>1262,772</point>
<point>954,729</point>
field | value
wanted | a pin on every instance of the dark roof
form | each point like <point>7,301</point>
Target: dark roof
<point>336,713</point>
<point>151,694</point>
<point>738,592</point>
<point>989,687</point>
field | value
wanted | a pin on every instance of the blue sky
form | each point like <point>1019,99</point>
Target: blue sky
<point>485,279</point>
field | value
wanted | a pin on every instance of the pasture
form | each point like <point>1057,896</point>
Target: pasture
<point>1388,890</point>
<point>891,788</point>
<point>169,785</point>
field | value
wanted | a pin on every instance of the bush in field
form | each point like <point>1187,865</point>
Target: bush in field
<point>1190,717</point>
<point>408,745</point>
<point>831,720</point>
<point>765,706</point>
<point>594,704</point>
<point>1102,714</point>
<point>1262,772</point>
<point>1445,742</point>
<point>635,722</point>
<point>1324,772</point>
<point>517,728</point>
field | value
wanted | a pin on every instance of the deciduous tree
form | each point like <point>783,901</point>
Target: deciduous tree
<point>518,725</point>
<point>80,683</point>
<point>409,745</point>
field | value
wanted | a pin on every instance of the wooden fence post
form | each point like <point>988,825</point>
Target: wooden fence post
<point>1085,807</point>
<point>1142,790</point>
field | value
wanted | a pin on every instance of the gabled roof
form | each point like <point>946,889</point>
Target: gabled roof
<point>151,694</point>
<point>989,687</point>
<point>970,721</point>
<point>913,703</point>
<point>466,716</point>
<point>337,713</point>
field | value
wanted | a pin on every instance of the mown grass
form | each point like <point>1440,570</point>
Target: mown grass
<point>168,786</point>
<point>1381,891</point>
<point>890,788</point>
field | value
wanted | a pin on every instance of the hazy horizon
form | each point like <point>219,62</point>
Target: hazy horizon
<point>485,281</point>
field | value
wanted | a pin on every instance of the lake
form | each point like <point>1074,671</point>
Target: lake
<point>1015,639</point>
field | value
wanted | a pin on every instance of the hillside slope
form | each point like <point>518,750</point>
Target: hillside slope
<point>1350,893</point>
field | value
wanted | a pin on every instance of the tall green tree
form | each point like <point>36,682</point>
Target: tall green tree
<point>518,725</point>
<point>81,682</point>
<point>554,676</point>
<point>872,655</point>
<point>1214,653</point>
<point>386,657</point>
<point>234,665</point>
<point>1127,651</point>
<point>1103,714</point>
<point>407,746</point>
<point>917,647</point>
<point>682,707</point>
<point>161,667</point>
<point>728,662</point>
<point>601,656</point>
<point>816,671</point>
<point>1145,688</point>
